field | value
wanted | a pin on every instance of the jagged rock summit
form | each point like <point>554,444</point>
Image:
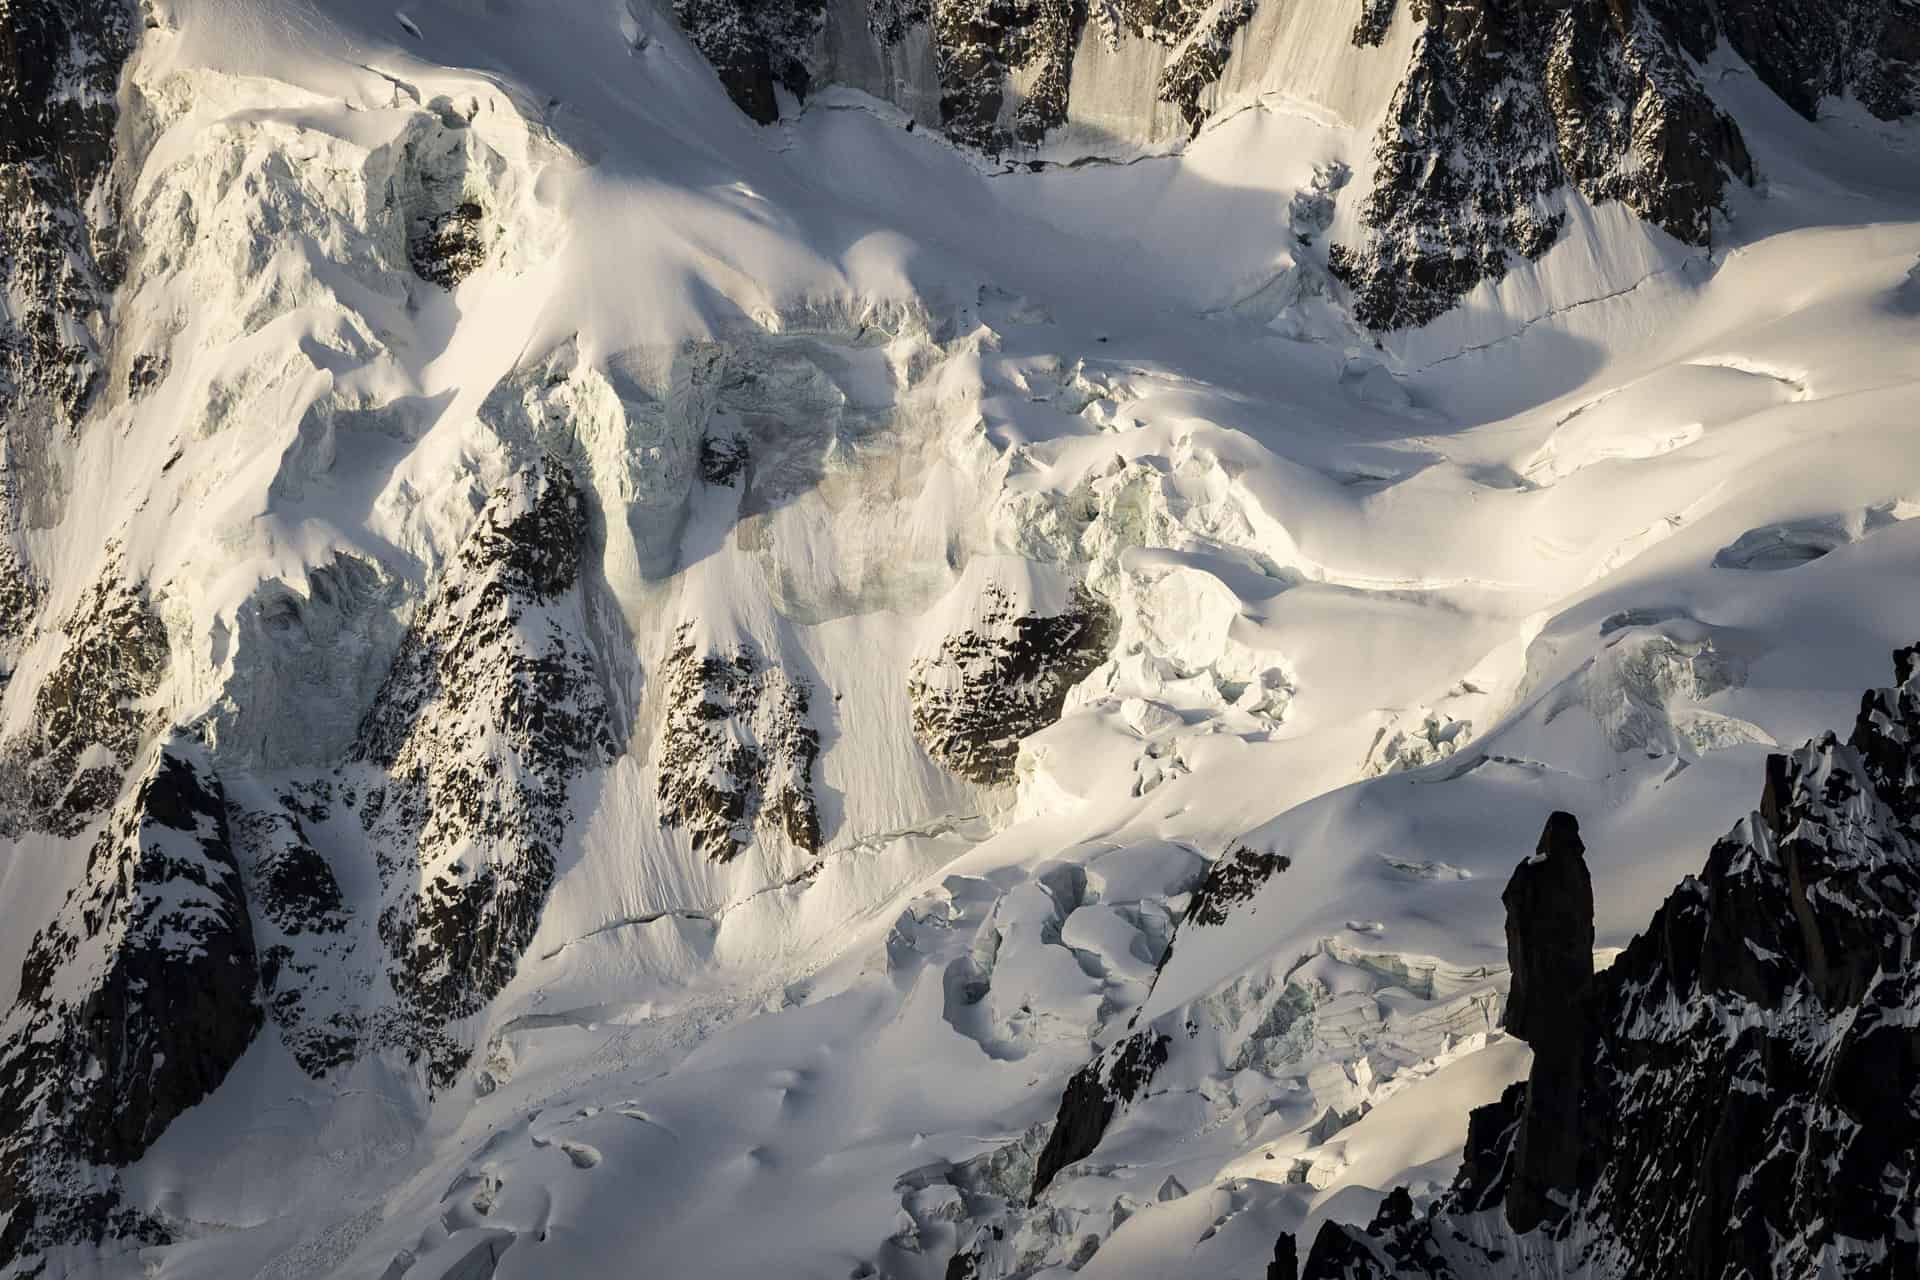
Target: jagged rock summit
<point>1739,1093</point>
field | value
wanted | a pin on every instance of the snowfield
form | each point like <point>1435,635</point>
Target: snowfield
<point>1359,613</point>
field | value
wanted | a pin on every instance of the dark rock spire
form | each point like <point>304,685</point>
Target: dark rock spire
<point>1549,905</point>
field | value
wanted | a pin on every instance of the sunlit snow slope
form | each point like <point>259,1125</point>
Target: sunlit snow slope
<point>717,657</point>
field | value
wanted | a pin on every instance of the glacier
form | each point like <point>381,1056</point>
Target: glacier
<point>722,639</point>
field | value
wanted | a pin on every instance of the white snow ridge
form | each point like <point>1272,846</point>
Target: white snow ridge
<point>931,640</point>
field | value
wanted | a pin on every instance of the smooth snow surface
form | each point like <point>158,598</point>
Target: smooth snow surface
<point>1594,542</point>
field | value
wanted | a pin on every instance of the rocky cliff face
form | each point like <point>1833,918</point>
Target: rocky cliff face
<point>492,709</point>
<point>60,256</point>
<point>754,46</point>
<point>60,67</point>
<point>134,1003</point>
<point>738,752</point>
<point>1503,107</point>
<point>1735,1095</point>
<point>1004,71</point>
<point>304,931</point>
<point>1506,104</point>
<point>91,713</point>
<point>1004,677</point>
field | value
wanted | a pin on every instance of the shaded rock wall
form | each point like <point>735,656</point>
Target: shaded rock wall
<point>134,1002</point>
<point>1744,1097</point>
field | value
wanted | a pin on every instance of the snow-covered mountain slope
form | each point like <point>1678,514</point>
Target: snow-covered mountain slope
<point>590,679</point>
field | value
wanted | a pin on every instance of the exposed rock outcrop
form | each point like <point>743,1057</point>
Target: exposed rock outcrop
<point>738,751</point>
<point>755,45</point>
<point>1549,905</point>
<point>60,63</point>
<point>1199,36</point>
<point>60,256</point>
<point>442,180</point>
<point>979,45</point>
<point>1233,879</point>
<point>90,713</point>
<point>302,929</point>
<point>492,709</point>
<point>134,1002</point>
<point>1743,1095</point>
<point>1505,105</point>
<point>1005,70</point>
<point>1286,1259</point>
<point>1501,109</point>
<point>1003,678</point>
<point>1096,1092</point>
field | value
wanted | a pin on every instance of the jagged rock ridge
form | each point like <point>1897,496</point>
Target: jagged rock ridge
<point>492,708</point>
<point>89,713</point>
<point>134,1002</point>
<point>1737,1093</point>
<point>1499,111</point>
<point>1503,107</point>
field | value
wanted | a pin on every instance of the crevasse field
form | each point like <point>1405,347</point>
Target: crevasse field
<point>1598,540</point>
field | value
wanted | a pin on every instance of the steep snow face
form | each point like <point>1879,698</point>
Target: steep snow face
<point>982,715</point>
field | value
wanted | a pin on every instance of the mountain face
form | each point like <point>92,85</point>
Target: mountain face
<point>1734,1094</point>
<point>60,68</point>
<point>908,638</point>
<point>134,1003</point>
<point>1500,109</point>
<point>490,710</point>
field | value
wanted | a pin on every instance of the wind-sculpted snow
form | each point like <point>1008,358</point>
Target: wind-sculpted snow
<point>1736,1094</point>
<point>492,709</point>
<point>134,1002</point>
